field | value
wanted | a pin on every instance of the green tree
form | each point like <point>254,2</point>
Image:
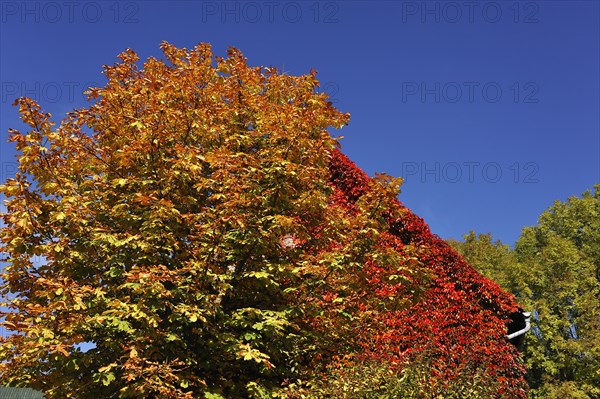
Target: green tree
<point>493,259</point>
<point>554,271</point>
<point>561,260</point>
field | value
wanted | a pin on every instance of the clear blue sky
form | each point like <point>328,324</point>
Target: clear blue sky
<point>489,109</point>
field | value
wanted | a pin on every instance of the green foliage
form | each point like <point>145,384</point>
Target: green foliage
<point>554,271</point>
<point>491,258</point>
<point>376,379</point>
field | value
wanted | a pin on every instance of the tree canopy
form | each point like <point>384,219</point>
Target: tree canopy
<point>198,227</point>
<point>554,271</point>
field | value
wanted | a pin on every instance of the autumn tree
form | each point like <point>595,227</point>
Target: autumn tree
<point>450,342</point>
<point>195,233</point>
<point>185,228</point>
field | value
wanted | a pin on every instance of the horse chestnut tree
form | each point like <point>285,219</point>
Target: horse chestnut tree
<point>196,233</point>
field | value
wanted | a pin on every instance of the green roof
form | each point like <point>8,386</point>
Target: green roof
<point>19,393</point>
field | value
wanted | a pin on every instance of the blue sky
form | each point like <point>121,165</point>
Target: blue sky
<point>489,109</point>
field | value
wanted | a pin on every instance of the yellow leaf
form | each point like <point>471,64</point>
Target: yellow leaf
<point>119,182</point>
<point>137,124</point>
<point>133,353</point>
